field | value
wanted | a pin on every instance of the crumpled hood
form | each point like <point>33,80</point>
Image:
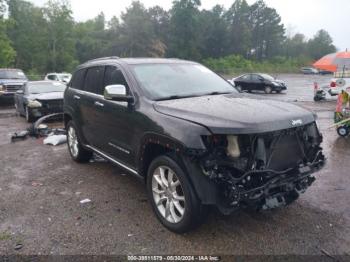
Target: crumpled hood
<point>236,114</point>
<point>47,96</point>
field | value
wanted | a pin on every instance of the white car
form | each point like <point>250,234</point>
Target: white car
<point>60,77</point>
<point>341,81</point>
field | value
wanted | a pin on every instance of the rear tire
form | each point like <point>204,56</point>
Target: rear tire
<point>172,197</point>
<point>317,98</point>
<point>77,151</point>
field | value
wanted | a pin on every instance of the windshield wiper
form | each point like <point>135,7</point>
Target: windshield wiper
<point>217,93</point>
<point>174,97</point>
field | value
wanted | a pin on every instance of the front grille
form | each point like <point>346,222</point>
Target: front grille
<point>13,88</point>
<point>54,106</point>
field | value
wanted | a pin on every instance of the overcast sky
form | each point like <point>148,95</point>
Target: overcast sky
<point>304,16</point>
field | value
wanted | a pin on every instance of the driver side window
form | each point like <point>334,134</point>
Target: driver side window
<point>113,76</point>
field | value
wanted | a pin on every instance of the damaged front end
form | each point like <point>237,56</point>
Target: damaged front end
<point>262,171</point>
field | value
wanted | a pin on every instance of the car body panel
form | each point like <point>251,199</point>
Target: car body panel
<point>122,132</point>
<point>51,102</point>
<point>11,86</point>
<point>235,114</point>
<point>255,81</point>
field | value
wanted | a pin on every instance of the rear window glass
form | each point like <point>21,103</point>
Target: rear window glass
<point>78,79</point>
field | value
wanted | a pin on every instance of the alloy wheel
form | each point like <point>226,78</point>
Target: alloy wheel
<point>168,194</point>
<point>268,90</point>
<point>73,142</point>
<point>27,114</point>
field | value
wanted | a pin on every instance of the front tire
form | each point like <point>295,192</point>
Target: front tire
<point>77,151</point>
<point>268,90</point>
<point>171,195</point>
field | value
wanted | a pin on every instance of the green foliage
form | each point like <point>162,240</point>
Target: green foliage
<point>321,44</point>
<point>138,36</point>
<point>236,64</point>
<point>7,53</point>
<point>184,29</point>
<point>244,38</point>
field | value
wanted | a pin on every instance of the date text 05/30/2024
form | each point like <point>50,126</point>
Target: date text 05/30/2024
<point>173,258</point>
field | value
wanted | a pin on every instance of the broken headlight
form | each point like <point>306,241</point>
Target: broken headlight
<point>228,144</point>
<point>34,104</point>
<point>233,149</point>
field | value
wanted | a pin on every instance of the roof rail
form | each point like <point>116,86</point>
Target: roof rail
<point>104,58</point>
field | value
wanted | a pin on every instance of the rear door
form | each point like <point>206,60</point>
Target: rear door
<point>90,106</point>
<point>245,82</point>
<point>73,96</point>
<point>256,82</point>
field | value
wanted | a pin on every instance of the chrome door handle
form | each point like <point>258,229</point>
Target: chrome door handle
<point>99,104</point>
<point>77,97</point>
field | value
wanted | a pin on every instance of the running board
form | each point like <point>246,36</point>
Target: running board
<point>131,170</point>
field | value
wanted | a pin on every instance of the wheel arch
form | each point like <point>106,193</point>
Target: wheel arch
<point>154,145</point>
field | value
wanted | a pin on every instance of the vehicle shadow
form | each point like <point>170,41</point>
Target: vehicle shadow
<point>297,229</point>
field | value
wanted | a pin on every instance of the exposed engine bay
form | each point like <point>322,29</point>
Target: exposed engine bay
<point>262,171</point>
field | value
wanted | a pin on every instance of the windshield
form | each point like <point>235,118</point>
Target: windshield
<point>171,81</point>
<point>40,88</point>
<point>12,74</point>
<point>268,77</point>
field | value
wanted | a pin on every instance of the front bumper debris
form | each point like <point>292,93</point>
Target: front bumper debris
<point>273,169</point>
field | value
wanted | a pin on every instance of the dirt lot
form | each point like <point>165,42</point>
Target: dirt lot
<point>41,190</point>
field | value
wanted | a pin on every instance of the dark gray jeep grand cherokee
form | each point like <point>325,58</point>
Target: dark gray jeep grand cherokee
<point>193,139</point>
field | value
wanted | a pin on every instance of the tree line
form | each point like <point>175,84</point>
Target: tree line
<point>44,39</point>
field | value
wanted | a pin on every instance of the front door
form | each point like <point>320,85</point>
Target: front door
<point>117,120</point>
<point>256,82</point>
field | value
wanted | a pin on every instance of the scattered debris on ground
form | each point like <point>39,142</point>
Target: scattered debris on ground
<point>55,140</point>
<point>85,201</point>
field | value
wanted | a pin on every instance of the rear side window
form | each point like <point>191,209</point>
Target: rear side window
<point>246,77</point>
<point>255,78</point>
<point>94,80</point>
<point>78,79</point>
<point>114,76</point>
<point>52,77</point>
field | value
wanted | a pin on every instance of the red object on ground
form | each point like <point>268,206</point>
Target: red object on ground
<point>334,62</point>
<point>339,104</point>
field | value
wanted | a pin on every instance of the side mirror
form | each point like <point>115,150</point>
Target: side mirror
<point>20,92</point>
<point>117,93</point>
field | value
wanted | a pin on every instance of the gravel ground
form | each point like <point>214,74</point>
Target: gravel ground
<point>41,190</point>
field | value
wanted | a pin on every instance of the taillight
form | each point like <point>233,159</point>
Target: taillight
<point>333,84</point>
